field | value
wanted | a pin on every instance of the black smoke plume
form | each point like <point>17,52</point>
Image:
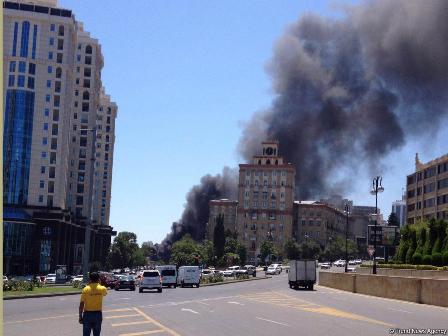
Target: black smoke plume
<point>196,212</point>
<point>348,92</point>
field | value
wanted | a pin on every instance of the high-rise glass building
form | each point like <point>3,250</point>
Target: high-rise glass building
<point>54,142</point>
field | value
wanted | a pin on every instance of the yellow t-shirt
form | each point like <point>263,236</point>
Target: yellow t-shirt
<point>92,296</point>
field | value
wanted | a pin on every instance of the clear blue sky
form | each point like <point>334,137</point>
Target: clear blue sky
<point>185,74</point>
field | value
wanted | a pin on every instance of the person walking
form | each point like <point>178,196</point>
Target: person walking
<point>91,306</point>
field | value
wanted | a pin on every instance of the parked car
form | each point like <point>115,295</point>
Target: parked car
<point>274,269</point>
<point>351,269</point>
<point>231,271</point>
<point>207,273</point>
<point>325,265</point>
<point>189,276</point>
<point>249,270</point>
<point>352,262</point>
<point>125,282</point>
<point>169,275</point>
<point>51,278</point>
<point>151,280</point>
<point>339,263</point>
<point>79,278</point>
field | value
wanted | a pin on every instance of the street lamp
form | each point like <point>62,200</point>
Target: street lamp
<point>85,259</point>
<point>347,211</point>
<point>376,188</point>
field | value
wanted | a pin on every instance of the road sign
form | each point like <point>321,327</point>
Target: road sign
<point>371,250</point>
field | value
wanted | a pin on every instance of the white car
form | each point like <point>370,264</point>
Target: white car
<point>206,273</point>
<point>50,278</point>
<point>79,278</point>
<point>274,269</point>
<point>339,263</point>
<point>231,271</point>
<point>352,262</point>
<point>325,265</point>
<point>151,280</point>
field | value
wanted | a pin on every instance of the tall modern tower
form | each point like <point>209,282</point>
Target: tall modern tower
<point>53,139</point>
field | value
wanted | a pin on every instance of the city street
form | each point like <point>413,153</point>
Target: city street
<point>263,307</point>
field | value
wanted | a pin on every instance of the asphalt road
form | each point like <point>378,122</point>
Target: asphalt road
<point>263,307</point>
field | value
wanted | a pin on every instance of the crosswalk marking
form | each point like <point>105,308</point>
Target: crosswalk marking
<point>129,323</point>
<point>138,333</point>
<point>121,316</point>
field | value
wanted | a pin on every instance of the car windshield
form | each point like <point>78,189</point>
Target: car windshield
<point>51,275</point>
<point>168,272</point>
<point>150,274</point>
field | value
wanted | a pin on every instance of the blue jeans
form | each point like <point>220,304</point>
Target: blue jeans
<point>91,321</point>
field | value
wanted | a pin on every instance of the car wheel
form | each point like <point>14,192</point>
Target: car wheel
<point>140,290</point>
<point>175,286</point>
<point>197,286</point>
<point>133,289</point>
<point>159,290</point>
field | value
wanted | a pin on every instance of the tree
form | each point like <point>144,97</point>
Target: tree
<point>309,249</point>
<point>242,253</point>
<point>139,258</point>
<point>122,250</point>
<point>393,220</point>
<point>267,249</point>
<point>291,249</point>
<point>219,239</point>
<point>185,251</point>
<point>335,249</point>
<point>206,251</point>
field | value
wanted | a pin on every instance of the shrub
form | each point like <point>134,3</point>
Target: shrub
<point>445,258</point>
<point>242,276</point>
<point>417,259</point>
<point>437,259</point>
<point>78,284</point>
<point>409,255</point>
<point>18,285</point>
<point>427,259</point>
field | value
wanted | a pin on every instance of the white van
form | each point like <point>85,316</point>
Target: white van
<point>169,275</point>
<point>189,276</point>
<point>151,280</point>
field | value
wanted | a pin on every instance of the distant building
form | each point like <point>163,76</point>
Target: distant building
<point>265,200</point>
<point>224,207</point>
<point>427,190</point>
<point>336,201</point>
<point>399,209</point>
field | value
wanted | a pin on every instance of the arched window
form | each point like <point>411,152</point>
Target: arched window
<point>268,162</point>
<point>88,49</point>
<point>86,95</point>
<point>259,162</point>
<point>25,38</point>
<point>58,72</point>
<point>61,30</point>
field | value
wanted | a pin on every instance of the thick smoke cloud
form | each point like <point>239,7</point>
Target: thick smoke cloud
<point>348,92</point>
<point>196,212</point>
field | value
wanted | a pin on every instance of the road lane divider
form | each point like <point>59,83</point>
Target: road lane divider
<point>190,311</point>
<point>121,316</point>
<point>263,319</point>
<point>130,323</point>
<point>158,324</point>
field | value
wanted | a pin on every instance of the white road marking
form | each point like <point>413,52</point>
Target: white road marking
<point>237,303</point>
<point>190,310</point>
<point>203,303</point>
<point>400,310</point>
<point>283,324</point>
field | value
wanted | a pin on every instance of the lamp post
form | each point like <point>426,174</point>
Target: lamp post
<point>376,188</point>
<point>85,259</point>
<point>347,211</point>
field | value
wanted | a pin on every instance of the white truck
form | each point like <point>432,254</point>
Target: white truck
<point>302,273</point>
<point>168,274</point>
<point>189,276</point>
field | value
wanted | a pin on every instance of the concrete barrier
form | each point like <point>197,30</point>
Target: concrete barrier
<point>405,272</point>
<point>413,289</point>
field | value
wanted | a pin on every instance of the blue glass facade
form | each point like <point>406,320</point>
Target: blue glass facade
<point>25,38</point>
<point>33,54</point>
<point>14,42</point>
<point>17,136</point>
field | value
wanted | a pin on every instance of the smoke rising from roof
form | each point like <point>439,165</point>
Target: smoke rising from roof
<point>348,92</point>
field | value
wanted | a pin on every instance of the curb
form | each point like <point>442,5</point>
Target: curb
<point>232,281</point>
<point>39,296</point>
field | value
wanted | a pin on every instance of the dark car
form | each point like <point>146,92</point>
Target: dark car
<point>125,282</point>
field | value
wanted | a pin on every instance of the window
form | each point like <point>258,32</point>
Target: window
<point>44,141</point>
<point>32,69</point>
<point>80,177</point>
<point>428,203</point>
<point>48,83</point>
<point>86,83</point>
<point>50,55</point>
<point>411,193</point>
<point>57,86</point>
<point>47,98</point>
<point>87,72</point>
<point>78,58</point>
<point>22,67</point>
<point>85,95</point>
<point>50,69</point>
<point>52,172</point>
<point>55,115</point>
<point>85,107</point>
<point>54,129</point>
<point>46,112</point>
<point>88,60</point>
<point>54,143</point>
<point>12,66</point>
<point>43,155</point>
<point>42,169</point>
<point>61,30</point>
<point>42,184</point>
<point>82,153</point>
<point>41,198</point>
<point>21,81</point>
<point>56,101</point>
<point>52,27</point>
<point>45,127</point>
<point>58,72</point>
<point>24,39</point>
<point>80,188</point>
<point>442,184</point>
<point>59,58</point>
<point>11,80</point>
<point>82,165</point>
<point>88,49</point>
<point>60,44</point>
<point>53,158</point>
<point>429,187</point>
<point>30,83</point>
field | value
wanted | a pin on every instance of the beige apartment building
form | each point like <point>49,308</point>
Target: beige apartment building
<point>427,190</point>
<point>226,208</point>
<point>265,200</point>
<point>56,114</point>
